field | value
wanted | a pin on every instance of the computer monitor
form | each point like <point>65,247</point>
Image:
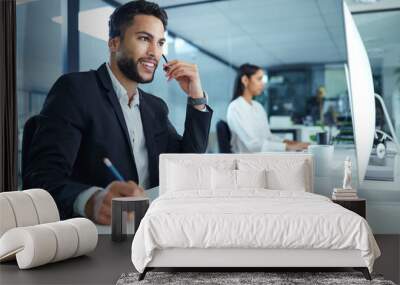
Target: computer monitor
<point>361,94</point>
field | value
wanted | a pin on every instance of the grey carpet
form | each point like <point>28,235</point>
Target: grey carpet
<point>230,278</point>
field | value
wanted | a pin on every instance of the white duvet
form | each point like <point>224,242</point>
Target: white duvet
<point>253,218</point>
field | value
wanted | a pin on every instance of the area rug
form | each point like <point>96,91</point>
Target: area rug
<point>242,278</point>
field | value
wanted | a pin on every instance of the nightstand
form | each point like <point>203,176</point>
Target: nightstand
<point>358,206</point>
<point>123,209</point>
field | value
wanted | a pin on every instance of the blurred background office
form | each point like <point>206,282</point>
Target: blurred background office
<point>299,44</point>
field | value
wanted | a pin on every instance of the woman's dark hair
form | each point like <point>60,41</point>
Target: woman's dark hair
<point>124,15</point>
<point>245,69</point>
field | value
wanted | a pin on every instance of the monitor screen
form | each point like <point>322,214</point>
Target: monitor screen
<point>361,94</point>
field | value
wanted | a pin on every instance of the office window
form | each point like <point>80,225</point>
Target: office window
<point>39,58</point>
<point>93,33</point>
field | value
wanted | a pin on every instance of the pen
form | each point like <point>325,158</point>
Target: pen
<point>166,61</point>
<point>112,169</point>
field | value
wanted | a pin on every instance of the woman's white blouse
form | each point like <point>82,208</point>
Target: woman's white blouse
<point>250,129</point>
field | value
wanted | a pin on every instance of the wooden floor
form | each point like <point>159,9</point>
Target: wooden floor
<point>389,262</point>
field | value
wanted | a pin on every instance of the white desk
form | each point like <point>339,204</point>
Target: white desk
<point>301,132</point>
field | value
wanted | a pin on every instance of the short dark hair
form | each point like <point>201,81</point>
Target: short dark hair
<point>248,70</point>
<point>124,15</point>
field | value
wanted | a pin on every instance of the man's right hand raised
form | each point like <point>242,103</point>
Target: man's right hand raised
<point>98,207</point>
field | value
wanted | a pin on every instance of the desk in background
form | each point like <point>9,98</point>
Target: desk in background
<point>298,132</point>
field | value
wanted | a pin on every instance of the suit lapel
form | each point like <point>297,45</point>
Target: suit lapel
<point>148,118</point>
<point>148,121</point>
<point>112,97</point>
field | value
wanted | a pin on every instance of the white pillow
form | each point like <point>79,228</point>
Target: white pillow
<point>223,179</point>
<point>226,179</point>
<point>251,178</point>
<point>293,180</point>
<point>193,174</point>
<point>282,173</point>
<point>188,177</point>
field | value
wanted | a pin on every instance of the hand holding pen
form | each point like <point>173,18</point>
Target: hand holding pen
<point>186,74</point>
<point>98,207</point>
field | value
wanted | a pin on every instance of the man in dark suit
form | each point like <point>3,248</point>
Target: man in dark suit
<point>91,115</point>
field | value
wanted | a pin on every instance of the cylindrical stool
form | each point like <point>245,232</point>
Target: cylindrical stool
<point>121,207</point>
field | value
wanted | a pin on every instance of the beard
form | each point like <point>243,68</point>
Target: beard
<point>129,67</point>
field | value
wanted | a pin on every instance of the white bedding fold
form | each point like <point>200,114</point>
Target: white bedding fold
<point>252,218</point>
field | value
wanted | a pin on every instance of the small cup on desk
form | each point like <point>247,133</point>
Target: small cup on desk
<point>322,138</point>
<point>126,212</point>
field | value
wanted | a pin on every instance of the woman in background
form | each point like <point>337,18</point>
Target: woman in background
<point>247,119</point>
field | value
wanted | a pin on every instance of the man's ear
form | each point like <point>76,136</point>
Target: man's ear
<point>245,80</point>
<point>113,44</point>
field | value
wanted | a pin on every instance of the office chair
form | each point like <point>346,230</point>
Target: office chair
<point>29,130</point>
<point>224,137</point>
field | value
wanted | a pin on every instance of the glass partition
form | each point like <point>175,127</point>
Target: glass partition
<point>39,58</point>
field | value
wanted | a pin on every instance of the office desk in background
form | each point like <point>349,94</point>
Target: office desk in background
<point>287,133</point>
<point>298,132</point>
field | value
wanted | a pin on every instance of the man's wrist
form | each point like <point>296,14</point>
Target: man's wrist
<point>198,101</point>
<point>90,206</point>
<point>82,200</point>
<point>199,94</point>
<point>201,108</point>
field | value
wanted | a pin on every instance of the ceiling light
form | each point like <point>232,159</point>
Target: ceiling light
<point>366,1</point>
<point>93,22</point>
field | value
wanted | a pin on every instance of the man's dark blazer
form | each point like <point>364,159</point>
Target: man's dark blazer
<point>82,122</point>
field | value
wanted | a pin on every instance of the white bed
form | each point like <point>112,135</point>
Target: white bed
<point>215,211</point>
